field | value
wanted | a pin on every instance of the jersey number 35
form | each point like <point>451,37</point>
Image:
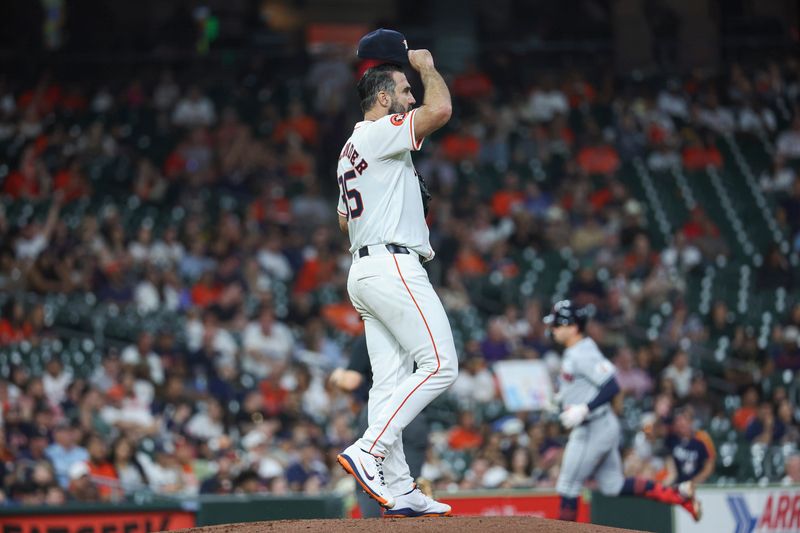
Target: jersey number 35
<point>350,194</point>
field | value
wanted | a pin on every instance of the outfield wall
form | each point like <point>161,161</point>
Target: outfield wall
<point>741,509</point>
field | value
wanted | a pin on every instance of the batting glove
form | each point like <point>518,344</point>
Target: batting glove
<point>574,415</point>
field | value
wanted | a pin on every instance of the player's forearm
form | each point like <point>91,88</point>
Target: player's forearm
<point>704,473</point>
<point>672,472</point>
<point>437,95</point>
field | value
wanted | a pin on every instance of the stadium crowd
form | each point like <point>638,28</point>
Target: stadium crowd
<point>238,250</point>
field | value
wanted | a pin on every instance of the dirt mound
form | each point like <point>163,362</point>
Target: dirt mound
<point>455,524</point>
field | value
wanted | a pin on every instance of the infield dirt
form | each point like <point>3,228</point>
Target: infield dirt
<point>454,524</point>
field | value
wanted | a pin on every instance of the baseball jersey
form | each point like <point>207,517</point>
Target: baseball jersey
<point>584,371</point>
<point>378,185</point>
<point>691,454</point>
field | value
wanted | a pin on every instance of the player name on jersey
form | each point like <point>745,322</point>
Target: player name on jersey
<point>351,154</point>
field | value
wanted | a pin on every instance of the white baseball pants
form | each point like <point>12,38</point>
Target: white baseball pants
<point>405,323</point>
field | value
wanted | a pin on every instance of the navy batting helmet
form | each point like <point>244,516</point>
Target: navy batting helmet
<point>565,313</point>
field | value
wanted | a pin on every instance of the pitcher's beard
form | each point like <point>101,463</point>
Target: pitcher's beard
<point>397,108</point>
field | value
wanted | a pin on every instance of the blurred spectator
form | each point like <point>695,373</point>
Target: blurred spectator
<point>792,468</point>
<point>778,179</point>
<point>107,374</point>
<point>546,101</point>
<point>102,472</point>
<point>700,154</point>
<point>519,475</point>
<point>745,414</point>
<point>194,109</point>
<point>664,158</point>
<point>631,141</point>
<point>785,416</point>
<point>716,117</point>
<point>221,482</point>
<point>680,373</point>
<point>143,354</point>
<point>472,84</point>
<point>55,381</point>
<point>632,380</point>
<point>166,92</point>
<point>13,326</point>
<point>298,122</point>
<point>307,470</point>
<point>207,337</point>
<point>462,144</point>
<point>692,454</point>
<point>788,142</point>
<point>465,435</point>
<point>672,101</point>
<point>702,405</point>
<point>598,158</point>
<point>765,428</point>
<point>167,251</point>
<point>496,346</point>
<point>33,240</point>
<point>208,423</point>
<point>127,469</point>
<point>475,383</point>
<point>64,453</point>
<point>163,471</point>
<point>643,459</point>
<point>681,254</point>
<point>81,487</point>
<point>30,180</point>
<point>508,198</point>
<point>267,345</point>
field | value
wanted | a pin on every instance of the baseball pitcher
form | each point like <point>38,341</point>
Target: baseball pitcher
<point>381,209</point>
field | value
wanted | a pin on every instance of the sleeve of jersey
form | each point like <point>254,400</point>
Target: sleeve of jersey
<point>606,393</point>
<point>705,438</point>
<point>599,370</point>
<point>394,134</point>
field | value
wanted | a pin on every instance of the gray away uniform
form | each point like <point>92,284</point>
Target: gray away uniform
<point>593,446</point>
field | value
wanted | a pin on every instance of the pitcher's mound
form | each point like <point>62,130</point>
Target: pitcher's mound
<point>454,524</point>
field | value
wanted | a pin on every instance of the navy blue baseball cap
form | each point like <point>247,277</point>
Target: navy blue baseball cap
<point>384,45</point>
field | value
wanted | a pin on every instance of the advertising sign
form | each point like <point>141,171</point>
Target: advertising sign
<point>744,510</point>
<point>541,505</point>
<point>102,522</point>
<point>524,385</point>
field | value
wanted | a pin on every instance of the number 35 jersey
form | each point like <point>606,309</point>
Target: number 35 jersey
<point>378,186</point>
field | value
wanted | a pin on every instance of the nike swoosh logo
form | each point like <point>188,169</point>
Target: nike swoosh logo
<point>366,473</point>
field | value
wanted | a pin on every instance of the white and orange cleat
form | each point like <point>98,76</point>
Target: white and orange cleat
<point>415,504</point>
<point>367,469</point>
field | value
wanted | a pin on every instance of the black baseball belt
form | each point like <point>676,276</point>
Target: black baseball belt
<point>391,248</point>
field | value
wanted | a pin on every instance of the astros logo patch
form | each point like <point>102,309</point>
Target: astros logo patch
<point>398,119</point>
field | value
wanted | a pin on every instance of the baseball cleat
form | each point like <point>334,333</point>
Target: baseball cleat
<point>694,507</point>
<point>367,469</point>
<point>415,504</point>
<point>690,503</point>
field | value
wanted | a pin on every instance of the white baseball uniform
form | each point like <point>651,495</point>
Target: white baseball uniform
<point>403,316</point>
